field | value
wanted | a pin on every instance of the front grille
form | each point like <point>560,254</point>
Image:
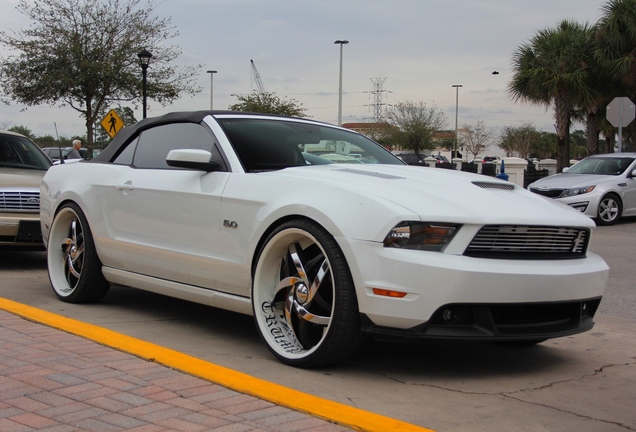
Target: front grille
<point>550,193</point>
<point>20,201</point>
<point>528,242</point>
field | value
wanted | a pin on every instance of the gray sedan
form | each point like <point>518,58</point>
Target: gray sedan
<point>601,186</point>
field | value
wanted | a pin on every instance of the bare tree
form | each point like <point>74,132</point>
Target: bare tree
<point>476,138</point>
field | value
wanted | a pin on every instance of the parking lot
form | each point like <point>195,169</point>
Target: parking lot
<point>584,383</point>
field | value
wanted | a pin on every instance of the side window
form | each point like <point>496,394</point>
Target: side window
<point>126,156</point>
<point>155,144</point>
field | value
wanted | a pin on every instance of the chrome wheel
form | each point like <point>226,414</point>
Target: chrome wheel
<point>74,269</point>
<point>73,247</point>
<point>303,298</point>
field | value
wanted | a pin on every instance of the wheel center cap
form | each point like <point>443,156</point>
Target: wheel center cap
<point>302,293</point>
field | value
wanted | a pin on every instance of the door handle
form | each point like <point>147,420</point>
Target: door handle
<point>128,186</point>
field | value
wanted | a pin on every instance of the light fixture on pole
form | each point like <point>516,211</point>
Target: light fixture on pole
<point>211,72</point>
<point>144,60</point>
<point>341,43</point>
<point>457,86</point>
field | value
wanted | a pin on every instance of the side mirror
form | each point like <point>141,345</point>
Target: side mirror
<point>565,169</point>
<point>192,159</point>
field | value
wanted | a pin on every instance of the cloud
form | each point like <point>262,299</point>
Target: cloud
<point>422,47</point>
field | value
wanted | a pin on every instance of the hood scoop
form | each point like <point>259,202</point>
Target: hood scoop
<point>373,174</point>
<point>493,185</point>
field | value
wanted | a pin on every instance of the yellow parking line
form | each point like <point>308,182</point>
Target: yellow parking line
<point>345,415</point>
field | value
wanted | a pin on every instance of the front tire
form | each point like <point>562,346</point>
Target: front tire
<point>303,297</point>
<point>74,268</point>
<point>609,210</point>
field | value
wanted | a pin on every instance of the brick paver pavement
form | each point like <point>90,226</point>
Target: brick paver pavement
<point>57,382</point>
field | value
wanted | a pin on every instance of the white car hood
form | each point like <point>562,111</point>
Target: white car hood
<point>563,181</point>
<point>441,194</point>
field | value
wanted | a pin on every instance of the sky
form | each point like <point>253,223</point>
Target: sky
<point>418,49</point>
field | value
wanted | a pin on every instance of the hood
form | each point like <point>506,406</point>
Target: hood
<point>16,178</point>
<point>442,194</point>
<point>565,181</point>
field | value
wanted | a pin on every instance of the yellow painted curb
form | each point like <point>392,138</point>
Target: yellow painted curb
<point>331,411</point>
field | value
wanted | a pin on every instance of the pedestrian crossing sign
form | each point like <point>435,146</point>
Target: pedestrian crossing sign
<point>112,123</point>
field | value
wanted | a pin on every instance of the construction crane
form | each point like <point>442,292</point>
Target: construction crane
<point>257,78</point>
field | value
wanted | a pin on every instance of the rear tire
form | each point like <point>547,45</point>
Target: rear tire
<point>75,270</point>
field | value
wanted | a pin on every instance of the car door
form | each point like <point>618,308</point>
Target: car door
<point>629,193</point>
<point>165,220</point>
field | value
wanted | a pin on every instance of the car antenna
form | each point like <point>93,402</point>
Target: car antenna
<point>59,146</point>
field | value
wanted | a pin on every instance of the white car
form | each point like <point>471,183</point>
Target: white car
<point>225,209</point>
<point>602,186</point>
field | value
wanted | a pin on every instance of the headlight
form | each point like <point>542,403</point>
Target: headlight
<point>577,191</point>
<point>427,236</point>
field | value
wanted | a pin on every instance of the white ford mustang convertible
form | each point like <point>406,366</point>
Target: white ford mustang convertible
<point>319,233</point>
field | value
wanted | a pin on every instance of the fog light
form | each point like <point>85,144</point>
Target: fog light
<point>580,206</point>
<point>585,309</point>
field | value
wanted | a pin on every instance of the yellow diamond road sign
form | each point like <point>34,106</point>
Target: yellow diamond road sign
<point>112,123</point>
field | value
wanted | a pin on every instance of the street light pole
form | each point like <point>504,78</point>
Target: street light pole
<point>211,72</point>
<point>457,86</point>
<point>144,61</point>
<point>341,43</point>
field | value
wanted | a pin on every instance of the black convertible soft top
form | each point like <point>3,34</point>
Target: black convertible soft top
<point>129,132</point>
<point>124,135</point>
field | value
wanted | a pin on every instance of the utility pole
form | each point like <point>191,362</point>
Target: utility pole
<point>211,72</point>
<point>341,43</point>
<point>457,86</point>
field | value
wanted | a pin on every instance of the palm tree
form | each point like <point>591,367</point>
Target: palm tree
<point>616,41</point>
<point>554,69</point>
<point>616,49</point>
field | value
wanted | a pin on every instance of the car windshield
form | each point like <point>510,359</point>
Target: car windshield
<point>21,152</point>
<point>265,144</point>
<point>611,165</point>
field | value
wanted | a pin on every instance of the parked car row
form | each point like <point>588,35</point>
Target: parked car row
<point>54,152</point>
<point>420,159</point>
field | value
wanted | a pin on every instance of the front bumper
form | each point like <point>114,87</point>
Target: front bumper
<point>485,294</point>
<point>586,203</point>
<point>499,322</point>
<point>21,230</point>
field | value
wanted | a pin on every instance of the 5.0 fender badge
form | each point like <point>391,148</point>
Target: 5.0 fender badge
<point>230,224</point>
